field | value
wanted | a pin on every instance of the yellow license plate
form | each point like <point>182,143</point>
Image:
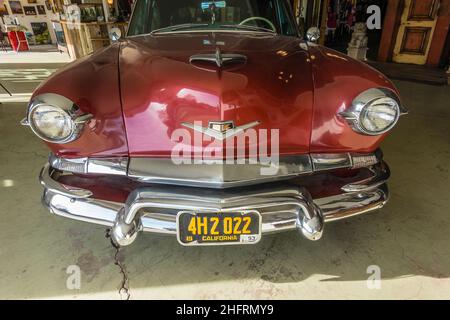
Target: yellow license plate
<point>216,228</point>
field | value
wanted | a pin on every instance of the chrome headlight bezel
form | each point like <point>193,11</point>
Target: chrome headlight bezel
<point>44,108</point>
<point>355,115</point>
<point>67,108</point>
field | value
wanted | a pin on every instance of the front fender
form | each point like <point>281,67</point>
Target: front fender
<point>338,79</point>
<point>92,83</point>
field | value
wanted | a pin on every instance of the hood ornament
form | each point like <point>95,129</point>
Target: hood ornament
<point>221,130</point>
<point>218,58</point>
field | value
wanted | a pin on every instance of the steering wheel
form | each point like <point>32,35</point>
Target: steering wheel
<point>272,26</point>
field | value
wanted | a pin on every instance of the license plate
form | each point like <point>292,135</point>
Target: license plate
<point>218,228</point>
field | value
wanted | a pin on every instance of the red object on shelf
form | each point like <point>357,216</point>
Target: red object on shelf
<point>18,41</point>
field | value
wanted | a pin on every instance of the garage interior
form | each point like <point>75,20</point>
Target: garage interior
<point>408,239</point>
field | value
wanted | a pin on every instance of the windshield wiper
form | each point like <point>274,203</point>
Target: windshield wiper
<point>179,27</point>
<point>197,25</point>
<point>245,27</point>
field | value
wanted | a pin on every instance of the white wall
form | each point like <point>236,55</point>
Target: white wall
<point>26,20</point>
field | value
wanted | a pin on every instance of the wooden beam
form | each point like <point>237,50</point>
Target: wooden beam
<point>295,8</point>
<point>440,34</point>
<point>323,21</point>
<point>390,29</point>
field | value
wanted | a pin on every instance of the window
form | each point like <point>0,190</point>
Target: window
<point>187,15</point>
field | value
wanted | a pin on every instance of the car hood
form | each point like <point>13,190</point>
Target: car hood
<point>162,91</point>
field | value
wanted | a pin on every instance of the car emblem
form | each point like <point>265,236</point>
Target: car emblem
<point>219,59</point>
<point>222,126</point>
<point>221,130</point>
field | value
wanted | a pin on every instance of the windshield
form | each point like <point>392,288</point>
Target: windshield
<point>163,16</point>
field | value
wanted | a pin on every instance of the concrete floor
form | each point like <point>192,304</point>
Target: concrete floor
<point>409,240</point>
<point>37,54</point>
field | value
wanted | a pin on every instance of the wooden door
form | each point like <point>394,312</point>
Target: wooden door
<point>416,31</point>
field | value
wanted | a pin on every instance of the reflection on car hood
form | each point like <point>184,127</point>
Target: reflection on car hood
<point>161,89</point>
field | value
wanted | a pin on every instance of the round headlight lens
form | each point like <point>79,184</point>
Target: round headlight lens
<point>51,123</point>
<point>380,115</point>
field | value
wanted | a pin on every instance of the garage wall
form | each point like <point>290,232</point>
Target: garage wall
<point>25,20</point>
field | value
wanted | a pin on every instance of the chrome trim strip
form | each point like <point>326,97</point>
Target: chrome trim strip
<point>214,175</point>
<point>111,166</point>
<point>82,209</point>
<point>349,205</point>
<point>368,160</point>
<point>404,111</point>
<point>82,119</point>
<point>223,175</point>
<point>47,179</point>
<point>324,162</point>
<point>381,174</point>
<point>164,171</point>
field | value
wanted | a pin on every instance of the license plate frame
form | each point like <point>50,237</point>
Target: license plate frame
<point>243,239</point>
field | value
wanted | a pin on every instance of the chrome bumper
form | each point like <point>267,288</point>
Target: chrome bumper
<point>283,206</point>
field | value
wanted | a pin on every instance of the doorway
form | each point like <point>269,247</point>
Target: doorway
<point>341,18</point>
<point>417,26</point>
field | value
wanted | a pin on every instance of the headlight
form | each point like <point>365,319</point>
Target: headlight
<point>55,119</point>
<point>51,123</point>
<point>374,112</point>
<point>380,115</point>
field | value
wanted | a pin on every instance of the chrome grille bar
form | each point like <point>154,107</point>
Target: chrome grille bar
<point>214,175</point>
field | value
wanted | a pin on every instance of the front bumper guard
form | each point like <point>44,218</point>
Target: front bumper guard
<point>154,209</point>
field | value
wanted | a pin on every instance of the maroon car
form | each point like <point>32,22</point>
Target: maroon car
<point>215,122</point>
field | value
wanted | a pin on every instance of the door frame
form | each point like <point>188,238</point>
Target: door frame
<point>440,34</point>
<point>392,24</point>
